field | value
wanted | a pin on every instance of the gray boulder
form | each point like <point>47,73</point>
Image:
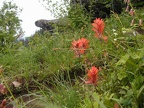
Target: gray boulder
<point>46,24</point>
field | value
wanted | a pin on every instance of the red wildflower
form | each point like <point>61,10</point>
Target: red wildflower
<point>80,46</point>
<point>92,75</point>
<point>84,43</point>
<point>132,12</point>
<point>98,28</point>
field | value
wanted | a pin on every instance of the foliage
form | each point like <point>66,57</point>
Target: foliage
<point>78,20</point>
<point>137,4</point>
<point>58,8</point>
<point>105,74</point>
<point>9,24</point>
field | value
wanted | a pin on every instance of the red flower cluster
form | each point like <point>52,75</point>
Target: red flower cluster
<point>92,76</point>
<point>98,28</point>
<point>80,46</point>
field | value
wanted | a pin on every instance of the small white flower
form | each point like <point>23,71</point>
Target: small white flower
<point>124,32</point>
<point>113,30</point>
<point>134,33</point>
<point>115,34</point>
<point>115,39</point>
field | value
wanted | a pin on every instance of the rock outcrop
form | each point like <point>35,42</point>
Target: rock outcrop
<point>46,24</point>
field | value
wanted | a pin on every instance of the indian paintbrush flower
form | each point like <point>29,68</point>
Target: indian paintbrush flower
<point>80,46</point>
<point>92,76</point>
<point>98,28</point>
<point>132,12</point>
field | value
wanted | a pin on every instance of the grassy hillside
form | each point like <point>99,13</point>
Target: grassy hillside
<point>56,71</point>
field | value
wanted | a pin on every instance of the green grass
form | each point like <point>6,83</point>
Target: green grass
<point>49,71</point>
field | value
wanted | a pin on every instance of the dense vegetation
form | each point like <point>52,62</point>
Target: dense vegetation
<point>9,24</point>
<point>98,65</point>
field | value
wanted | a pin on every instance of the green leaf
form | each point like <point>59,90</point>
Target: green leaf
<point>108,102</point>
<point>123,59</point>
<point>134,55</point>
<point>97,99</point>
<point>141,53</point>
<point>122,92</point>
<point>121,75</point>
<point>95,105</point>
<point>140,91</point>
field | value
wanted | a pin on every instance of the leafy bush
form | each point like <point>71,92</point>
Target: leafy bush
<point>10,24</point>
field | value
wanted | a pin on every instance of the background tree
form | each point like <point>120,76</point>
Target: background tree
<point>9,24</point>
